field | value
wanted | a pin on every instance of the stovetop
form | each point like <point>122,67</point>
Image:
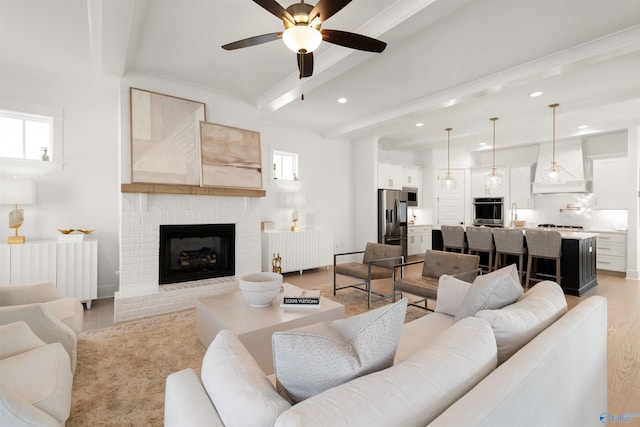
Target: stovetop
<point>566,227</point>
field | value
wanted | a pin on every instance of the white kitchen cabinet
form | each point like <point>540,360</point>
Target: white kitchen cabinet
<point>520,179</point>
<point>418,239</point>
<point>299,250</point>
<point>71,266</point>
<point>390,176</point>
<point>610,192</point>
<point>412,177</point>
<point>414,244</point>
<point>478,187</point>
<point>611,252</point>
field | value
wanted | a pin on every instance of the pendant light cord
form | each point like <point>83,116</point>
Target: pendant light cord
<point>553,140</point>
<point>448,151</point>
<point>493,169</point>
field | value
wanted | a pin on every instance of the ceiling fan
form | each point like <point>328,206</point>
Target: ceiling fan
<point>302,32</point>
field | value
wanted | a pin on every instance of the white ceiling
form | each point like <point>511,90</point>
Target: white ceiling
<point>448,63</point>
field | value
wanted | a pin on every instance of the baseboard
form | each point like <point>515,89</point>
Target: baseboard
<point>107,291</point>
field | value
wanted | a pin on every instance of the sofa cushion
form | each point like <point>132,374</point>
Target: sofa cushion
<point>235,382</point>
<point>42,377</point>
<point>451,292</point>
<point>419,334</point>
<point>315,358</point>
<point>411,393</point>
<point>517,324</point>
<point>490,291</point>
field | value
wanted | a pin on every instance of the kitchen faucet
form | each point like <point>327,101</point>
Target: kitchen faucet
<point>514,213</point>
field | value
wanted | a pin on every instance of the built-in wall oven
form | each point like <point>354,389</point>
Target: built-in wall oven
<point>488,211</point>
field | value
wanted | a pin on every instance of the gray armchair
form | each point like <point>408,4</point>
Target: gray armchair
<point>51,316</point>
<point>377,263</point>
<point>435,264</point>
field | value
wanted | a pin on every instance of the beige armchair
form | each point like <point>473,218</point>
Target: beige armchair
<point>36,379</point>
<point>51,316</point>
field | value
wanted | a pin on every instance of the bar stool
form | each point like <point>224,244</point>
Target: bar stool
<point>453,238</point>
<point>545,245</point>
<point>509,242</point>
<point>480,239</point>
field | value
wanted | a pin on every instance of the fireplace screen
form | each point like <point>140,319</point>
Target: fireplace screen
<point>195,252</point>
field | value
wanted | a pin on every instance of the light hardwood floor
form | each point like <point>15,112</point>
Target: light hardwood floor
<point>623,355</point>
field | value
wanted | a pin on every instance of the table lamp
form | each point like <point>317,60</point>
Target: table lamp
<point>16,191</point>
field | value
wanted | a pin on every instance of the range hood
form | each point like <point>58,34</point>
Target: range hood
<point>570,156</point>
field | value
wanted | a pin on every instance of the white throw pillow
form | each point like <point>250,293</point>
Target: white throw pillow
<point>451,292</point>
<point>490,291</point>
<point>238,388</point>
<point>318,357</point>
<point>517,324</point>
<point>413,392</point>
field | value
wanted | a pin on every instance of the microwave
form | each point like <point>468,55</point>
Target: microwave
<point>488,211</point>
<point>410,195</point>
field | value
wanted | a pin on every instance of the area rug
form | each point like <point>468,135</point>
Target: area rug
<point>121,370</point>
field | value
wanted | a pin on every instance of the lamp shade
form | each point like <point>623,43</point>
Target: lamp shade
<point>302,38</point>
<point>17,191</point>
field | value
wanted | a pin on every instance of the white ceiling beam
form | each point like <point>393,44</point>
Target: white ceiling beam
<point>607,47</point>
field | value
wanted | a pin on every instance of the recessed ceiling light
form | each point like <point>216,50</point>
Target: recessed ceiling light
<point>482,144</point>
<point>419,125</point>
<point>535,94</point>
<point>342,100</point>
<point>583,127</point>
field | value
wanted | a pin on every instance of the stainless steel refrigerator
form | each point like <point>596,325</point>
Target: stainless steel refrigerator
<point>392,219</point>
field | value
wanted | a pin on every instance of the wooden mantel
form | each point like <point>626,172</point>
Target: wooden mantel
<point>191,189</point>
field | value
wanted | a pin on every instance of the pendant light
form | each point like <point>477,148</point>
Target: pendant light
<point>493,179</point>
<point>555,174</point>
<point>448,181</point>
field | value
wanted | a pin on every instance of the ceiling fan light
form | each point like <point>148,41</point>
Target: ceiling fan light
<point>302,38</point>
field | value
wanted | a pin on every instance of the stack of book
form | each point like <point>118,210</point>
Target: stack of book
<point>300,299</point>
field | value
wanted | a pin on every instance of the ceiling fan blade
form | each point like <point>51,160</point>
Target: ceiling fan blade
<point>252,41</point>
<point>305,64</point>
<point>352,40</point>
<point>275,8</point>
<point>325,9</point>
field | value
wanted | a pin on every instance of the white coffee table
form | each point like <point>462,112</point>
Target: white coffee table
<point>255,326</point>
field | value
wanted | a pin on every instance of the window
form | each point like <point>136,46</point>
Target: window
<point>285,166</point>
<point>25,136</point>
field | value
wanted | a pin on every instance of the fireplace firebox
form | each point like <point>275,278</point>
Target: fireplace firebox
<point>196,252</point>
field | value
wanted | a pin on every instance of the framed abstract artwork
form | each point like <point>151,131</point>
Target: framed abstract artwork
<point>165,138</point>
<point>231,157</point>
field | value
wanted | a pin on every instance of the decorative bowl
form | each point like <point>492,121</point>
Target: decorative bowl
<point>519,223</point>
<point>260,289</point>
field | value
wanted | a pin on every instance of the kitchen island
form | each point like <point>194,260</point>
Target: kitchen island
<point>578,261</point>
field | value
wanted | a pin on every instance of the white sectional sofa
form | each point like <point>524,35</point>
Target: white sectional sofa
<point>529,363</point>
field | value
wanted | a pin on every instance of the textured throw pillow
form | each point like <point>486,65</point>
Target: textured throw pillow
<point>318,357</point>
<point>235,382</point>
<point>451,292</point>
<point>517,324</point>
<point>490,291</point>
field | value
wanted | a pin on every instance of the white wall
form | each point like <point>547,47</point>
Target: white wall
<point>85,193</point>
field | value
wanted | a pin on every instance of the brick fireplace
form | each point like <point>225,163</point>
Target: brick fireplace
<point>140,294</point>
